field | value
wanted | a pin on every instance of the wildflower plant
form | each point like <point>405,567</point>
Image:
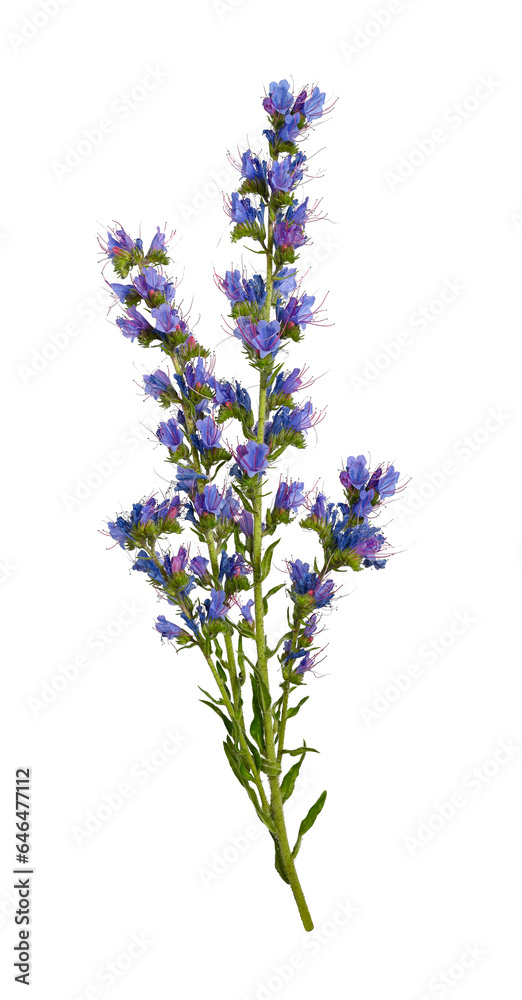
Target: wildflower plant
<point>217,601</point>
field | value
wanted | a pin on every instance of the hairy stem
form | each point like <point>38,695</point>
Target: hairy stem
<point>275,790</point>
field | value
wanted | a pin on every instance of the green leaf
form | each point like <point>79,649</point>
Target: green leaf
<point>293,711</point>
<point>289,780</point>
<point>217,701</point>
<point>228,723</point>
<point>309,821</point>
<point>279,866</point>
<point>305,749</point>
<point>270,767</point>
<point>267,559</point>
<point>256,726</point>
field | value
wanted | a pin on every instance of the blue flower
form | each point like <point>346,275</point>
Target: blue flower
<point>263,337</point>
<point>210,501</point>
<point>216,605</point>
<point>289,496</point>
<point>199,567</point>
<point>363,505</point>
<point>169,434</point>
<point>167,319</point>
<point>242,211</point>
<point>306,582</point>
<point>280,98</point>
<point>157,383</point>
<point>232,566</point>
<point>150,283</point>
<point>314,106</point>
<point>246,612</point>
<point>284,282</point>
<point>186,479</point>
<point>209,434</point>
<point>144,564</point>
<point>252,457</point>
<point>253,169</point>
<point>286,173</point>
<point>356,473</point>
<point>387,483</point>
<point>133,324</point>
<point>168,630</point>
<point>286,383</point>
<point>121,291</point>
<point>231,507</point>
<point>296,312</point>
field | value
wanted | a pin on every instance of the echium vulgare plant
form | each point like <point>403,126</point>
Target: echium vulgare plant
<point>221,490</point>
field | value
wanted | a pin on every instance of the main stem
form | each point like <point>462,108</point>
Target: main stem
<point>275,790</point>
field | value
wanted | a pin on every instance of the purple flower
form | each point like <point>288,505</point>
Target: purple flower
<point>199,567</point>
<point>262,337</point>
<point>150,283</point>
<point>121,291</point>
<point>167,319</point>
<point>286,173</point>
<point>158,243</point>
<point>169,434</point>
<point>284,282</point>
<point>306,582</point>
<point>313,107</point>
<point>279,99</point>
<point>296,312</point>
<point>246,612</point>
<point>288,234</point>
<point>356,473</point>
<point>387,483</point>
<point>252,457</point>
<point>290,130</point>
<point>246,523</point>
<point>210,501</point>
<point>252,169</point>
<point>186,479</point>
<point>289,496</point>
<point>157,383</point>
<point>176,564</point>
<point>167,629</point>
<point>242,211</point>
<point>232,566</point>
<point>121,243</point>
<point>209,433</point>
<point>231,506</point>
<point>216,606</point>
<point>133,324</point>
<point>363,507</point>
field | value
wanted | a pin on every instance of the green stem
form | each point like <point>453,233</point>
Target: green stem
<point>275,790</point>
<point>242,739</point>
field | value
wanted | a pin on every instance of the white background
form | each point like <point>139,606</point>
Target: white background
<point>387,249</point>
